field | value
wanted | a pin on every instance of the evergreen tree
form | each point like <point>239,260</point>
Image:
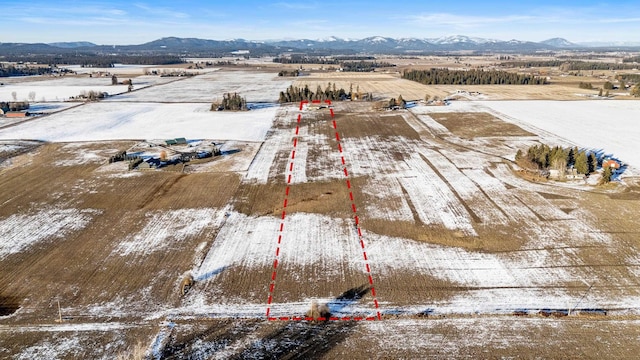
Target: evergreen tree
<point>400,102</point>
<point>519,155</point>
<point>592,162</point>
<point>581,165</point>
<point>571,157</point>
<point>584,85</point>
<point>606,174</point>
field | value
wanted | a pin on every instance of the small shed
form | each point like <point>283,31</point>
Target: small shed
<point>16,114</point>
<point>176,141</point>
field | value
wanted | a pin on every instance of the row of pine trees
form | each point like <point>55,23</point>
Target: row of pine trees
<point>545,157</point>
<point>331,92</point>
<point>471,77</point>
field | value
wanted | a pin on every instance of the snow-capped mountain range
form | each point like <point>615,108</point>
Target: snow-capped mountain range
<point>330,44</point>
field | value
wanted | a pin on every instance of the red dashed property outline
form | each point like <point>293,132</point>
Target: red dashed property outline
<point>272,283</point>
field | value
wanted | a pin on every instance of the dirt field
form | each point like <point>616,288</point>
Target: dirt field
<point>390,84</point>
<point>455,241</point>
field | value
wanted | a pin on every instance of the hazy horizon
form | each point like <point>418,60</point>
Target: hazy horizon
<point>123,23</point>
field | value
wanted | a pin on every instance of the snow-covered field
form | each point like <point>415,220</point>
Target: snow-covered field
<point>60,89</point>
<point>252,85</point>
<point>117,69</point>
<point>611,125</point>
<point>57,89</point>
<point>114,121</point>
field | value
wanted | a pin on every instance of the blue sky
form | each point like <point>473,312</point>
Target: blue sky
<point>133,22</point>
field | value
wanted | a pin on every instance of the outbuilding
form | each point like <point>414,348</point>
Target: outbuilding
<point>611,164</point>
<point>16,114</point>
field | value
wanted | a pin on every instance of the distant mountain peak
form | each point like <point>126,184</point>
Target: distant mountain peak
<point>329,39</point>
<point>72,44</point>
<point>558,42</point>
<point>376,39</point>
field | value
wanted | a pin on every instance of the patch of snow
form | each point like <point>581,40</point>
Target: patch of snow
<point>161,340</point>
<point>20,231</point>
<point>82,157</point>
<point>62,347</point>
<point>166,228</point>
<point>433,201</point>
<point>386,191</point>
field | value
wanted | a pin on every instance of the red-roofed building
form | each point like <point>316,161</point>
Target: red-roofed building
<point>16,114</point>
<point>611,163</point>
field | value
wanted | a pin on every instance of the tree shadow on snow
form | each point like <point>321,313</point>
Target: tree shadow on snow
<point>283,339</point>
<point>307,339</point>
<point>210,274</point>
<point>299,340</point>
<point>230,152</point>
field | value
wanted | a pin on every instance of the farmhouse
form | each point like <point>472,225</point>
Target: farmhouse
<point>568,174</point>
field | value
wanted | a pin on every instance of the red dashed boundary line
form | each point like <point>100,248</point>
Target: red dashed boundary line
<point>272,283</point>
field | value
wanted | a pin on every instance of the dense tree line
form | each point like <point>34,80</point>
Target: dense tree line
<point>634,59</point>
<point>363,66</point>
<point>94,60</point>
<point>230,102</point>
<point>567,65</point>
<point>582,65</point>
<point>289,73</point>
<point>544,157</point>
<point>295,94</point>
<point>532,63</point>
<point>11,70</point>
<point>635,78</point>
<point>471,77</point>
<point>307,59</point>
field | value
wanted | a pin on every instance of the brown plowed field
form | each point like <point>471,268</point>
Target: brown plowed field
<point>457,243</point>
